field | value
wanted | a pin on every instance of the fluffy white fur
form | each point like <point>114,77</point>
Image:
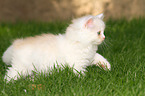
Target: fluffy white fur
<point>77,48</point>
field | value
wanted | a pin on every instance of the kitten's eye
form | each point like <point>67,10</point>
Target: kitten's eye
<point>99,32</point>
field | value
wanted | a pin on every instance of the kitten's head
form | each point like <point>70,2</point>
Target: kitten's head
<point>88,29</point>
<point>95,27</point>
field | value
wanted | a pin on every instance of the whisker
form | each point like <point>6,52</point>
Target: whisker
<point>103,46</point>
<point>106,44</point>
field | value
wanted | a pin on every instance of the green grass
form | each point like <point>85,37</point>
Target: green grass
<point>124,49</point>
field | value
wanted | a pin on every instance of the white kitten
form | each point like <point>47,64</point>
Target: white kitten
<point>77,48</point>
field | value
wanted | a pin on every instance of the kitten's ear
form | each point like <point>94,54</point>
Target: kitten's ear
<point>89,23</point>
<point>101,16</point>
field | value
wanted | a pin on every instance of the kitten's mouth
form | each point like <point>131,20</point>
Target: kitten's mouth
<point>102,40</point>
<point>98,43</point>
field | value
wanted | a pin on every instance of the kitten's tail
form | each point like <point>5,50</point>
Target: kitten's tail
<point>7,56</point>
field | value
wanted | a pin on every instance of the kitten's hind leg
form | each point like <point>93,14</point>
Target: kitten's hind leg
<point>15,73</point>
<point>11,74</point>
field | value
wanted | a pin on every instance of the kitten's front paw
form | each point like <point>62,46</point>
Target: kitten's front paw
<point>101,62</point>
<point>104,64</point>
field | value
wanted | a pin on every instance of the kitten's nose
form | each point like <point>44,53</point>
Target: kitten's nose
<point>103,37</point>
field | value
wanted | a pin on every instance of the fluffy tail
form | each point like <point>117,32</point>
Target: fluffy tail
<point>7,56</point>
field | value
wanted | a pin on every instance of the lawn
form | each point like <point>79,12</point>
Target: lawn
<point>124,48</point>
